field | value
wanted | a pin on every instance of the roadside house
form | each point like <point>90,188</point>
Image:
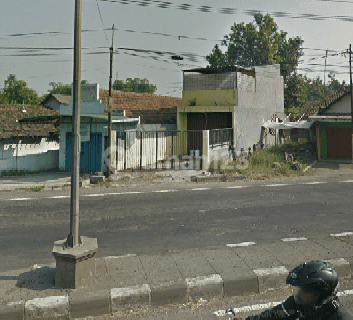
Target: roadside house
<point>54,101</point>
<point>333,126</point>
<point>234,97</point>
<point>28,146</point>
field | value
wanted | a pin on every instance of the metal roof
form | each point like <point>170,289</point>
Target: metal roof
<point>288,125</point>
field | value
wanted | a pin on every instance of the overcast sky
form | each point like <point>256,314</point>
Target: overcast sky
<point>39,67</point>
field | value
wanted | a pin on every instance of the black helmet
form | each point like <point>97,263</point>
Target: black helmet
<point>317,275</point>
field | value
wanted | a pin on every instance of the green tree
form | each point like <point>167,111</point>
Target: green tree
<point>60,88</point>
<point>16,92</point>
<point>258,43</point>
<point>295,93</point>
<point>134,85</point>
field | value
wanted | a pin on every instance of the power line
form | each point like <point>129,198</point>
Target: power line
<point>228,11</point>
<point>100,15</point>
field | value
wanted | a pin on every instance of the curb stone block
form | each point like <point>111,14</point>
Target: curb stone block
<point>270,278</point>
<point>240,284</point>
<point>12,311</point>
<point>205,286</point>
<point>84,304</point>
<point>168,293</point>
<point>126,298</point>
<point>53,307</point>
<point>97,179</point>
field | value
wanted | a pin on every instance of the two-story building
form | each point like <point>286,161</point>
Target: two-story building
<point>232,97</point>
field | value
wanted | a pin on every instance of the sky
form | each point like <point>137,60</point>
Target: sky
<point>157,25</point>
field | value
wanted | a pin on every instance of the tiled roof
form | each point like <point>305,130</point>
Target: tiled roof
<point>150,108</point>
<point>9,128</point>
<point>323,105</point>
<point>61,98</point>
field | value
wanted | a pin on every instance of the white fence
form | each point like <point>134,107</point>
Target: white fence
<point>24,155</point>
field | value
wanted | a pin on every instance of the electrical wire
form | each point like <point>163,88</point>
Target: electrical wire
<point>100,15</point>
<point>209,9</point>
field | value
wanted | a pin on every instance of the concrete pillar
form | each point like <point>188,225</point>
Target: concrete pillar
<point>205,149</point>
<point>75,267</point>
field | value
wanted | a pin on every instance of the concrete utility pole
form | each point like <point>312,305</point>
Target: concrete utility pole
<point>75,256</point>
<point>73,237</point>
<point>110,103</point>
<point>350,81</point>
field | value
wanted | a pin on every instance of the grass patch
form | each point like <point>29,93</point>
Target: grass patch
<point>13,173</point>
<point>34,189</point>
<point>269,163</point>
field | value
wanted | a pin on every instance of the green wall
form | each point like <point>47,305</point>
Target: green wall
<point>209,97</point>
<point>323,138</point>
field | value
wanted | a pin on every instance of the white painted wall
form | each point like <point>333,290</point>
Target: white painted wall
<point>29,156</point>
<point>256,107</point>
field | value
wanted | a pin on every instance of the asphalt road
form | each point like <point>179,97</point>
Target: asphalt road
<point>146,219</point>
<point>214,309</point>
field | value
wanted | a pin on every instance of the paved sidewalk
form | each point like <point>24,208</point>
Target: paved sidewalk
<point>59,180</point>
<point>135,281</point>
<point>49,180</point>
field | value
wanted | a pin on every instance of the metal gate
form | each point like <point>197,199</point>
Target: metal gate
<point>90,156</point>
<point>151,150</point>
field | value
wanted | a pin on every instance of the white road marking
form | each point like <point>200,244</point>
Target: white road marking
<point>94,195</point>
<point>277,185</point>
<point>263,306</point>
<point>58,197</point>
<point>294,239</point>
<point>343,234</point>
<point>242,244</point>
<point>235,187</point>
<point>316,182</point>
<point>19,199</point>
<point>165,191</point>
<point>346,181</point>
<point>200,189</point>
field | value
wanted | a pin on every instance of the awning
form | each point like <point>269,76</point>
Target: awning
<point>287,125</point>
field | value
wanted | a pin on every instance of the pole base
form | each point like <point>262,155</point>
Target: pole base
<point>75,267</point>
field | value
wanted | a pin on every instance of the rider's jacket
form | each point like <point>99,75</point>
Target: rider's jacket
<point>290,311</point>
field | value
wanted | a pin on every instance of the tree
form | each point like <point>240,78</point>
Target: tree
<point>258,43</point>
<point>134,85</point>
<point>60,88</point>
<point>16,92</point>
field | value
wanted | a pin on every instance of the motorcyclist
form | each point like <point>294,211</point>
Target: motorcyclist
<point>314,286</point>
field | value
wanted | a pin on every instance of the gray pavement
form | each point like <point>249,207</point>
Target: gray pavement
<point>174,277</point>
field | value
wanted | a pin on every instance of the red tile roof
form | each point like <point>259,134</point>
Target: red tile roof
<point>9,128</point>
<point>150,107</point>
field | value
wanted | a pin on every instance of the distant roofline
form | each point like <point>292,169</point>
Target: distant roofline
<point>223,69</point>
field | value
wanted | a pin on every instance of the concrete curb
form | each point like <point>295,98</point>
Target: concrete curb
<point>83,303</point>
<point>216,178</point>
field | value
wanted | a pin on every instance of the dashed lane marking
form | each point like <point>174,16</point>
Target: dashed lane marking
<point>294,239</point>
<point>315,182</point>
<point>58,197</point>
<point>18,199</point>
<point>235,187</point>
<point>164,191</point>
<point>343,234</point>
<point>346,181</point>
<point>277,185</point>
<point>200,189</point>
<point>242,244</point>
